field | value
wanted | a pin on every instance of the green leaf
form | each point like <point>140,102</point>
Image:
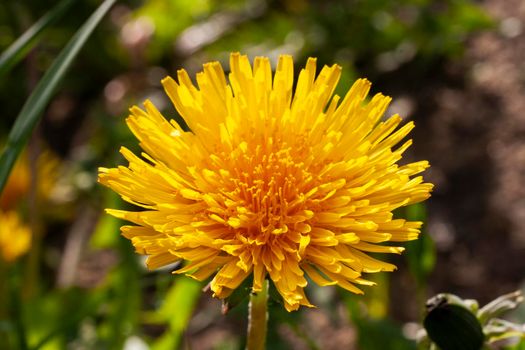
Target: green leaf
<point>177,309</point>
<point>239,295</point>
<point>124,299</point>
<point>107,231</point>
<point>421,253</point>
<point>60,313</point>
<point>14,53</point>
<point>35,104</point>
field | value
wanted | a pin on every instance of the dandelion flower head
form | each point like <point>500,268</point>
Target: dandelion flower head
<point>15,237</point>
<point>18,185</point>
<point>269,181</point>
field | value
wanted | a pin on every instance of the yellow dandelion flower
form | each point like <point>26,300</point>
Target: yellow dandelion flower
<point>17,185</point>
<point>19,182</point>
<point>268,182</point>
<point>15,237</point>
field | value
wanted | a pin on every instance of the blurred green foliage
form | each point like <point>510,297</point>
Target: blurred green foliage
<point>111,300</point>
<point>421,253</point>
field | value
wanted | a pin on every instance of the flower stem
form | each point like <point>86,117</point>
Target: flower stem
<point>257,319</point>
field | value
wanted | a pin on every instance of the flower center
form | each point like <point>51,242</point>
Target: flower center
<point>270,184</point>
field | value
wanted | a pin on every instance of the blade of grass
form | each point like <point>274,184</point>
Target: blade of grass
<point>17,50</point>
<point>182,299</point>
<point>38,100</point>
<point>15,304</point>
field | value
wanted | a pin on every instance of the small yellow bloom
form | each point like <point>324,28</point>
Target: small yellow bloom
<point>18,185</point>
<point>268,182</point>
<point>15,237</point>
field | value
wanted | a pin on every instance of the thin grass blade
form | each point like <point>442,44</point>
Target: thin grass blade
<point>182,297</point>
<point>17,50</point>
<point>32,110</point>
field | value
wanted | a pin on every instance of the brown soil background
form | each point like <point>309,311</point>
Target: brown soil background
<point>471,126</point>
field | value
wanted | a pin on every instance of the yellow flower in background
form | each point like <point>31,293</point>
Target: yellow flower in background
<point>18,185</point>
<point>268,183</point>
<point>15,237</point>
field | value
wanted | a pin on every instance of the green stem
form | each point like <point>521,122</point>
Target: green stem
<point>16,307</point>
<point>4,303</point>
<point>11,313</point>
<point>30,280</point>
<point>257,319</point>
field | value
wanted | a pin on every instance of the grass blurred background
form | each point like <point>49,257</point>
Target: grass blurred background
<point>456,67</point>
